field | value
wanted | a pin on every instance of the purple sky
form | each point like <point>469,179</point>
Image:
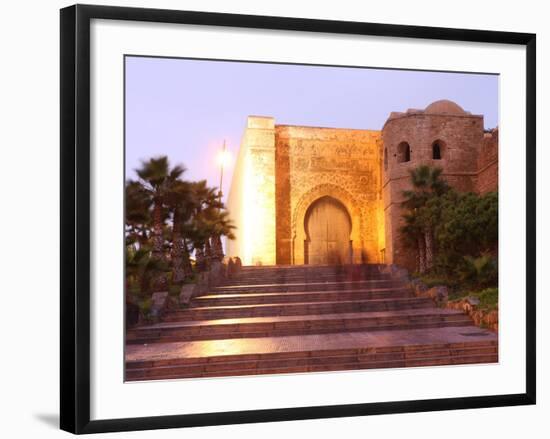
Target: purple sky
<point>185,108</point>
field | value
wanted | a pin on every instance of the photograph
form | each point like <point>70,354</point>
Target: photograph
<point>286,218</point>
<point>264,220</point>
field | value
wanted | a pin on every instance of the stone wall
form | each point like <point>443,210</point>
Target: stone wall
<point>487,163</point>
<point>283,169</point>
<point>314,162</point>
<point>251,200</point>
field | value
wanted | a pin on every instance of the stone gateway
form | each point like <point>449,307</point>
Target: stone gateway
<point>311,195</point>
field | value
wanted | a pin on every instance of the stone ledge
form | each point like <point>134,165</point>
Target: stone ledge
<point>218,272</point>
<point>481,317</point>
<point>162,302</point>
<point>439,294</point>
<point>469,305</point>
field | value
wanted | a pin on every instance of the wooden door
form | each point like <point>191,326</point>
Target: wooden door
<point>328,229</point>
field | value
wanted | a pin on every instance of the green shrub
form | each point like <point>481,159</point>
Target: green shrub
<point>468,225</point>
<point>434,278</point>
<point>174,290</point>
<point>488,298</point>
<point>191,279</point>
<point>480,272</point>
<point>460,224</point>
<point>145,306</point>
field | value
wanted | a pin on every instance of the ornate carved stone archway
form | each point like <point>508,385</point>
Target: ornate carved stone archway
<point>299,215</point>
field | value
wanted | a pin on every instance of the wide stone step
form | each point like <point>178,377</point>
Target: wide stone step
<point>354,268</point>
<point>337,364</point>
<point>250,298</point>
<point>301,308</point>
<point>354,272</point>
<point>308,286</point>
<point>311,272</point>
<point>295,325</point>
<point>311,353</point>
<point>303,278</point>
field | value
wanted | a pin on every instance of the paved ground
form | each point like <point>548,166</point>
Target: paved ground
<point>275,319</point>
<point>286,320</point>
<point>306,343</point>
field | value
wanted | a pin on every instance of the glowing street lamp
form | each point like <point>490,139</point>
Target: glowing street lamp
<point>223,159</point>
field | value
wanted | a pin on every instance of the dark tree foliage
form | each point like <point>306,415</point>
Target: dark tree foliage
<point>418,231</point>
<point>462,227</point>
<point>466,224</point>
<point>167,220</point>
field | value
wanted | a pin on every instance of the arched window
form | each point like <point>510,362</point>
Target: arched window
<point>386,158</point>
<point>403,152</point>
<point>437,150</point>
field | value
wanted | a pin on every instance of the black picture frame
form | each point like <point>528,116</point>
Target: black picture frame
<point>75,217</point>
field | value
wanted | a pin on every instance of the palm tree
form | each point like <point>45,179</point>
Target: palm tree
<point>187,234</point>
<point>206,199</point>
<point>413,235</point>
<point>157,181</point>
<point>165,215</point>
<point>221,226</point>
<point>138,217</point>
<point>199,235</point>
<point>181,202</point>
<point>426,184</point>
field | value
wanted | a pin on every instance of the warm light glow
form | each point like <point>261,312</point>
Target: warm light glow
<point>224,158</point>
<point>258,203</point>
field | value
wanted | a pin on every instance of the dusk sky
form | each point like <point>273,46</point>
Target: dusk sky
<point>186,108</point>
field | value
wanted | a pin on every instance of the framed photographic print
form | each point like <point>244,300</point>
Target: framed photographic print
<point>268,218</point>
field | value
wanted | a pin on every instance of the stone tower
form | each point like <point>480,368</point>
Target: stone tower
<point>442,135</point>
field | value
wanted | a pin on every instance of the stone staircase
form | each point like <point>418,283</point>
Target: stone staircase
<point>287,319</point>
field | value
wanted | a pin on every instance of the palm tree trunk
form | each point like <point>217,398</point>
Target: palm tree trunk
<point>429,248</point>
<point>144,281</point>
<point>187,268</point>
<point>157,231</point>
<point>160,282</point>
<point>199,258</point>
<point>207,253</point>
<point>421,255</point>
<point>178,273</point>
<point>143,238</point>
<point>217,249</point>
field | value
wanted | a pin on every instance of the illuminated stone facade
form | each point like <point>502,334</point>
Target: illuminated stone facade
<point>288,179</point>
<point>251,201</point>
